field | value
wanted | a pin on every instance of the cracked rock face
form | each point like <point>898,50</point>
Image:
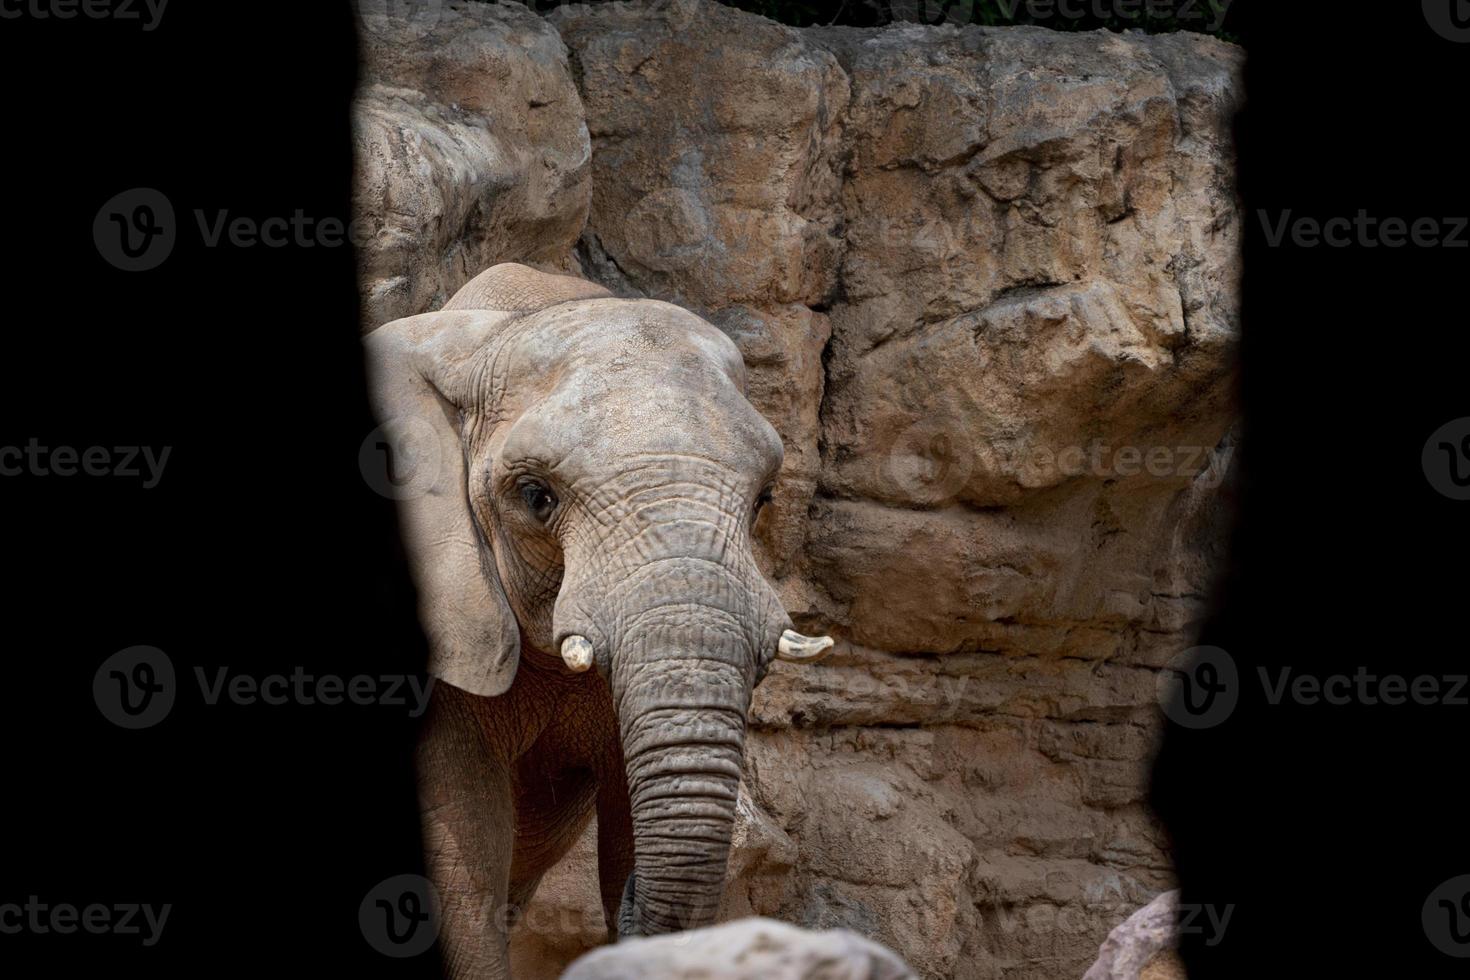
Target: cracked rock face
<point>471,149</point>
<point>985,283</point>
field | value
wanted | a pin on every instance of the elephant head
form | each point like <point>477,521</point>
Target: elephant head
<point>586,471</point>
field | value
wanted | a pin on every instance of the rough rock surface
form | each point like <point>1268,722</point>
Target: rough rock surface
<point>985,281</point>
<point>1144,947</point>
<point>750,949</point>
<point>471,149</point>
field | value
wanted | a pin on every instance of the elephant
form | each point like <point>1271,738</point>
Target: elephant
<point>583,475</point>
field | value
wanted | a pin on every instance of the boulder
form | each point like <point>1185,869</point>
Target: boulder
<point>747,949</point>
<point>1144,946</point>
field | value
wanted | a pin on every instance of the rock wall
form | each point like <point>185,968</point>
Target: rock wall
<point>985,281</point>
<point>471,149</point>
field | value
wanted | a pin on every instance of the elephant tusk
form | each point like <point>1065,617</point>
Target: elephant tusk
<point>576,651</point>
<point>803,649</point>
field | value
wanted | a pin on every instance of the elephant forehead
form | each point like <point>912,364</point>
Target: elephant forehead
<point>603,420</point>
<point>603,381</point>
<point>613,336</point>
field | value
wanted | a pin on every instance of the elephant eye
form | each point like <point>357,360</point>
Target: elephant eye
<point>760,502</point>
<point>538,498</point>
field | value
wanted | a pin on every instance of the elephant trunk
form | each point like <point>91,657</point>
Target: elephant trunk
<point>683,698</point>
<point>672,604</point>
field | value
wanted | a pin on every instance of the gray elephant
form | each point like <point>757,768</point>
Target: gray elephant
<point>582,476</point>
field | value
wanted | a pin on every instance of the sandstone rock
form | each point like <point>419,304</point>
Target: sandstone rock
<point>783,348</point>
<point>1025,213</point>
<point>748,949</point>
<point>1143,947</point>
<point>471,150</point>
<point>715,174</point>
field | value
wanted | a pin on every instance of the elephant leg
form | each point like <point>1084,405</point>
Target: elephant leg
<point>465,795</point>
<point>614,837</point>
<point>553,805</point>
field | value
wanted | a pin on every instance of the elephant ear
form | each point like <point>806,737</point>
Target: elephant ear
<point>420,382</point>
